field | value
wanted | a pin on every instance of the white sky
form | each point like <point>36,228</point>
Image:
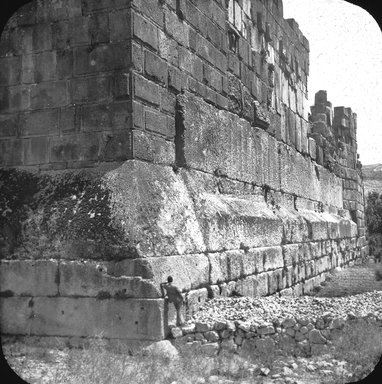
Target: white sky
<point>346,61</point>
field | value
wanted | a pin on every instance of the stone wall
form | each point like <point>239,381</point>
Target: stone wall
<point>141,139</point>
<point>89,81</point>
<point>294,336</point>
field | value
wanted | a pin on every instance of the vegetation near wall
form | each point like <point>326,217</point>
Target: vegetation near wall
<point>374,213</point>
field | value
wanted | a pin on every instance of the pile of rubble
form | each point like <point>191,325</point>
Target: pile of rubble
<point>274,308</point>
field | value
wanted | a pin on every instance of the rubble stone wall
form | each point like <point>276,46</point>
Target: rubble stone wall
<point>141,139</point>
<point>295,336</point>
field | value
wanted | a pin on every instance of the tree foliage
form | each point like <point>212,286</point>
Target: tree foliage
<point>374,212</point>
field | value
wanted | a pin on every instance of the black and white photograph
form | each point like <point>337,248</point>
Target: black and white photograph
<point>190,192</point>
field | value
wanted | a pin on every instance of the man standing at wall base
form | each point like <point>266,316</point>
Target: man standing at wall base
<point>174,295</point>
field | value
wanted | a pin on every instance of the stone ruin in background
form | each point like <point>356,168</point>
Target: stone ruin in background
<point>141,139</point>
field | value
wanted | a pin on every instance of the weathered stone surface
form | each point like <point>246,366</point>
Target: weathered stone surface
<point>289,323</point>
<point>185,223</point>
<point>315,337</point>
<point>176,332</point>
<point>273,258</point>
<point>195,299</point>
<point>29,277</point>
<point>162,349</point>
<point>179,267</point>
<point>218,267</point>
<point>217,141</point>
<point>64,316</point>
<point>318,226</point>
<point>203,327</point>
<point>211,336</point>
<point>187,329</point>
<point>88,279</point>
<point>163,210</point>
<point>128,207</point>
<point>290,254</point>
<point>265,330</point>
<point>231,222</point>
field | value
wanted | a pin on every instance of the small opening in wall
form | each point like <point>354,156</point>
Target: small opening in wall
<point>317,172</point>
<point>353,215</point>
<point>233,41</point>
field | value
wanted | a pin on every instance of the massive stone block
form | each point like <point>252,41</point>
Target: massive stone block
<point>90,280</point>
<point>132,319</point>
<point>29,278</point>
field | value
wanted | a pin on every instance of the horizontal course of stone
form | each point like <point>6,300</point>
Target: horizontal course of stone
<point>221,143</point>
<point>304,326</point>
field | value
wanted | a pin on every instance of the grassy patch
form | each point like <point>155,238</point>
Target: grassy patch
<point>360,345</point>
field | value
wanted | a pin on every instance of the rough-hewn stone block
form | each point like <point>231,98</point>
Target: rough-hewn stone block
<point>87,279</point>
<point>117,146</point>
<point>155,67</point>
<point>96,117</point>
<point>152,148</point>
<point>176,28</point>
<point>233,223</point>
<point>235,266</point>
<point>179,267</point>
<point>273,258</point>
<point>120,25</point>
<point>11,153</point>
<point>29,277</point>
<point>253,261</point>
<point>90,89</point>
<point>275,280</point>
<point>218,267</point>
<point>290,254</point>
<point>145,30</point>
<point>157,122</point>
<point>101,58</point>
<point>39,122</point>
<point>10,70</point>
<point>146,90</point>
<point>74,147</point>
<point>195,299</point>
<point>36,150</point>
<point>65,316</point>
<point>8,125</point>
<point>318,226</point>
<point>49,95</point>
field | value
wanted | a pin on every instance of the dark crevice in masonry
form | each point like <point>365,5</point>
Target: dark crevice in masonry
<point>180,159</point>
<point>283,238</point>
<point>57,277</point>
<point>266,188</point>
<point>310,229</point>
<point>295,202</point>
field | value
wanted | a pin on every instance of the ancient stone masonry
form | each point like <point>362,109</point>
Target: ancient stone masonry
<point>141,139</point>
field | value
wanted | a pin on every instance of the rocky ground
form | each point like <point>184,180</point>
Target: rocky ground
<point>52,365</point>
<point>45,366</point>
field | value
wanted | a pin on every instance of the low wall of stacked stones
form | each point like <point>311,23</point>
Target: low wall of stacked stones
<point>293,336</point>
